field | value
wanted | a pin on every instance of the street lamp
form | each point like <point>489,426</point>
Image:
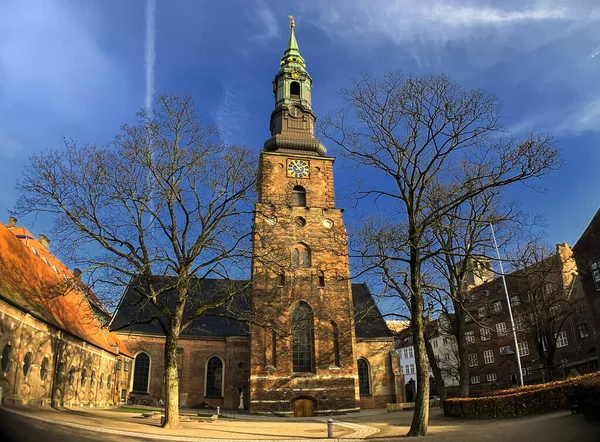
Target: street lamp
<point>512,322</point>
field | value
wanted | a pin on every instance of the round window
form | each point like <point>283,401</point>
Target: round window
<point>300,222</point>
<point>327,223</point>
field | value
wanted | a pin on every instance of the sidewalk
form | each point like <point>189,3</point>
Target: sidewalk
<point>260,428</point>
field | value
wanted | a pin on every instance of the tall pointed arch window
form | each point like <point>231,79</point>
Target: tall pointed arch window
<point>336,344</point>
<point>299,196</point>
<point>141,373</point>
<point>364,381</point>
<point>303,338</point>
<point>214,377</point>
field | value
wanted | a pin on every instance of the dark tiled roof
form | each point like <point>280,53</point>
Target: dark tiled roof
<point>136,314</point>
<point>369,322</point>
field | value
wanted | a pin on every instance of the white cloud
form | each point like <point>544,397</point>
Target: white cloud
<point>267,20</point>
<point>585,118</point>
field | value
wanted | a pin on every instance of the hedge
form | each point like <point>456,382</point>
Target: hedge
<point>523,401</point>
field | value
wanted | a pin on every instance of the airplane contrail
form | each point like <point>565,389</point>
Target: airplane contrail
<point>150,51</point>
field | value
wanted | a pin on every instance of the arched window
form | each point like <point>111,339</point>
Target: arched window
<point>108,381</point>
<point>299,196</point>
<point>6,355</point>
<point>44,369</point>
<point>83,377</point>
<point>300,256</point>
<point>27,364</point>
<point>321,278</point>
<point>93,379</point>
<point>141,373</point>
<point>336,344</point>
<point>364,383</point>
<point>303,339</point>
<point>214,377</point>
<point>101,380</point>
<point>295,89</point>
<point>71,375</point>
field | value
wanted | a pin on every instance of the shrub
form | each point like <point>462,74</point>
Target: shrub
<point>522,401</point>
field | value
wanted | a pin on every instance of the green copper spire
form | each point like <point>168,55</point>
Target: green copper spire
<point>292,56</point>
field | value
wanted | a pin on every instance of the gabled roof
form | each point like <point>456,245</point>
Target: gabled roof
<point>591,234</point>
<point>137,314</point>
<point>35,281</point>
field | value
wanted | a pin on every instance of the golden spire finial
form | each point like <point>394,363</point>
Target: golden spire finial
<point>292,23</point>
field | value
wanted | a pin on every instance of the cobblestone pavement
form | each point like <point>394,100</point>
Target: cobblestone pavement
<point>359,431</point>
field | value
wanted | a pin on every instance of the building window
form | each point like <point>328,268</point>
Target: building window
<point>475,379</point>
<point>336,344</point>
<point>488,357</point>
<point>141,373</point>
<point>83,377</point>
<point>321,278</point>
<point>108,381</point>
<point>514,300</point>
<point>27,364</point>
<point>410,352</point>
<point>44,369</point>
<point>491,377</point>
<point>302,339</point>
<point>300,221</point>
<point>214,377</point>
<point>273,348</point>
<point>299,196</point>
<point>281,279</point>
<point>501,328</point>
<point>126,366</point>
<point>485,334</point>
<point>519,323</point>
<point>119,362</point>
<point>583,330</point>
<point>363,377</point>
<point>6,354</point>
<point>300,256</point>
<point>503,350</point>
<point>595,268</point>
<point>93,379</point>
<point>295,89</point>
<point>435,343</point>
<point>412,368</point>
<point>406,369</point>
<point>497,307</point>
<point>470,337</point>
<point>71,375</point>
<point>101,383</point>
<point>561,339</point>
<point>481,312</point>
<point>473,362</point>
<point>523,348</point>
<point>555,312</point>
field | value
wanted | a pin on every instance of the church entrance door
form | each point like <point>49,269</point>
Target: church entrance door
<point>303,408</point>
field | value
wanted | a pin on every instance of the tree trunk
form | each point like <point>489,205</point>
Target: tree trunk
<point>437,373</point>
<point>172,376</point>
<point>420,419</point>
<point>463,351</point>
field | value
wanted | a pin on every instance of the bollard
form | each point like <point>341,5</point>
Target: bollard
<point>218,411</point>
<point>329,428</point>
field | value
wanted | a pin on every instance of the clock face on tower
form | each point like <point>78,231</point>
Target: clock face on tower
<point>298,168</point>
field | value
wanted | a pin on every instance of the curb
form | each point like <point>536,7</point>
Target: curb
<point>165,436</point>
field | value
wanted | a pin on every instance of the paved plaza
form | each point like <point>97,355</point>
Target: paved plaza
<point>370,424</point>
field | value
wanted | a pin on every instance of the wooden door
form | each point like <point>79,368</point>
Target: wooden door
<point>303,408</point>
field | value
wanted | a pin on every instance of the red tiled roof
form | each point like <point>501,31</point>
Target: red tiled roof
<point>37,282</point>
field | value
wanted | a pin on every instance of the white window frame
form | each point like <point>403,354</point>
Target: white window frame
<point>485,334</point>
<point>475,379</point>
<point>595,270</point>
<point>501,328</point>
<point>473,360</point>
<point>149,370</point>
<point>488,356</point>
<point>491,377</point>
<point>561,339</point>
<point>470,337</point>
<point>481,312</point>
<point>222,374</point>
<point>523,348</point>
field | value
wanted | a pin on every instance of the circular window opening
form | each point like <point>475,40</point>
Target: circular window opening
<point>300,222</point>
<point>27,364</point>
<point>328,224</point>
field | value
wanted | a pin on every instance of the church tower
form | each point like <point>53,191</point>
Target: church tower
<point>302,336</point>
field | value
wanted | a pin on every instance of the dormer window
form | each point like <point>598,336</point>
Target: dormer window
<point>295,90</point>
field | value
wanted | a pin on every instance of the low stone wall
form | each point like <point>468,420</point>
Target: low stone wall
<point>524,401</point>
<point>400,407</point>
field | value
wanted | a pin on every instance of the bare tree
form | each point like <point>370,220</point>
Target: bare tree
<point>164,198</point>
<point>541,293</point>
<point>429,146</point>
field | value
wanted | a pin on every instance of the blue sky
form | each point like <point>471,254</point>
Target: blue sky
<point>80,68</point>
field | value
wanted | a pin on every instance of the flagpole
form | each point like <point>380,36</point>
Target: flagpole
<point>512,322</point>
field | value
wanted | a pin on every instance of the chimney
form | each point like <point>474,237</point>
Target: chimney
<point>44,241</point>
<point>12,222</point>
<point>77,272</point>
